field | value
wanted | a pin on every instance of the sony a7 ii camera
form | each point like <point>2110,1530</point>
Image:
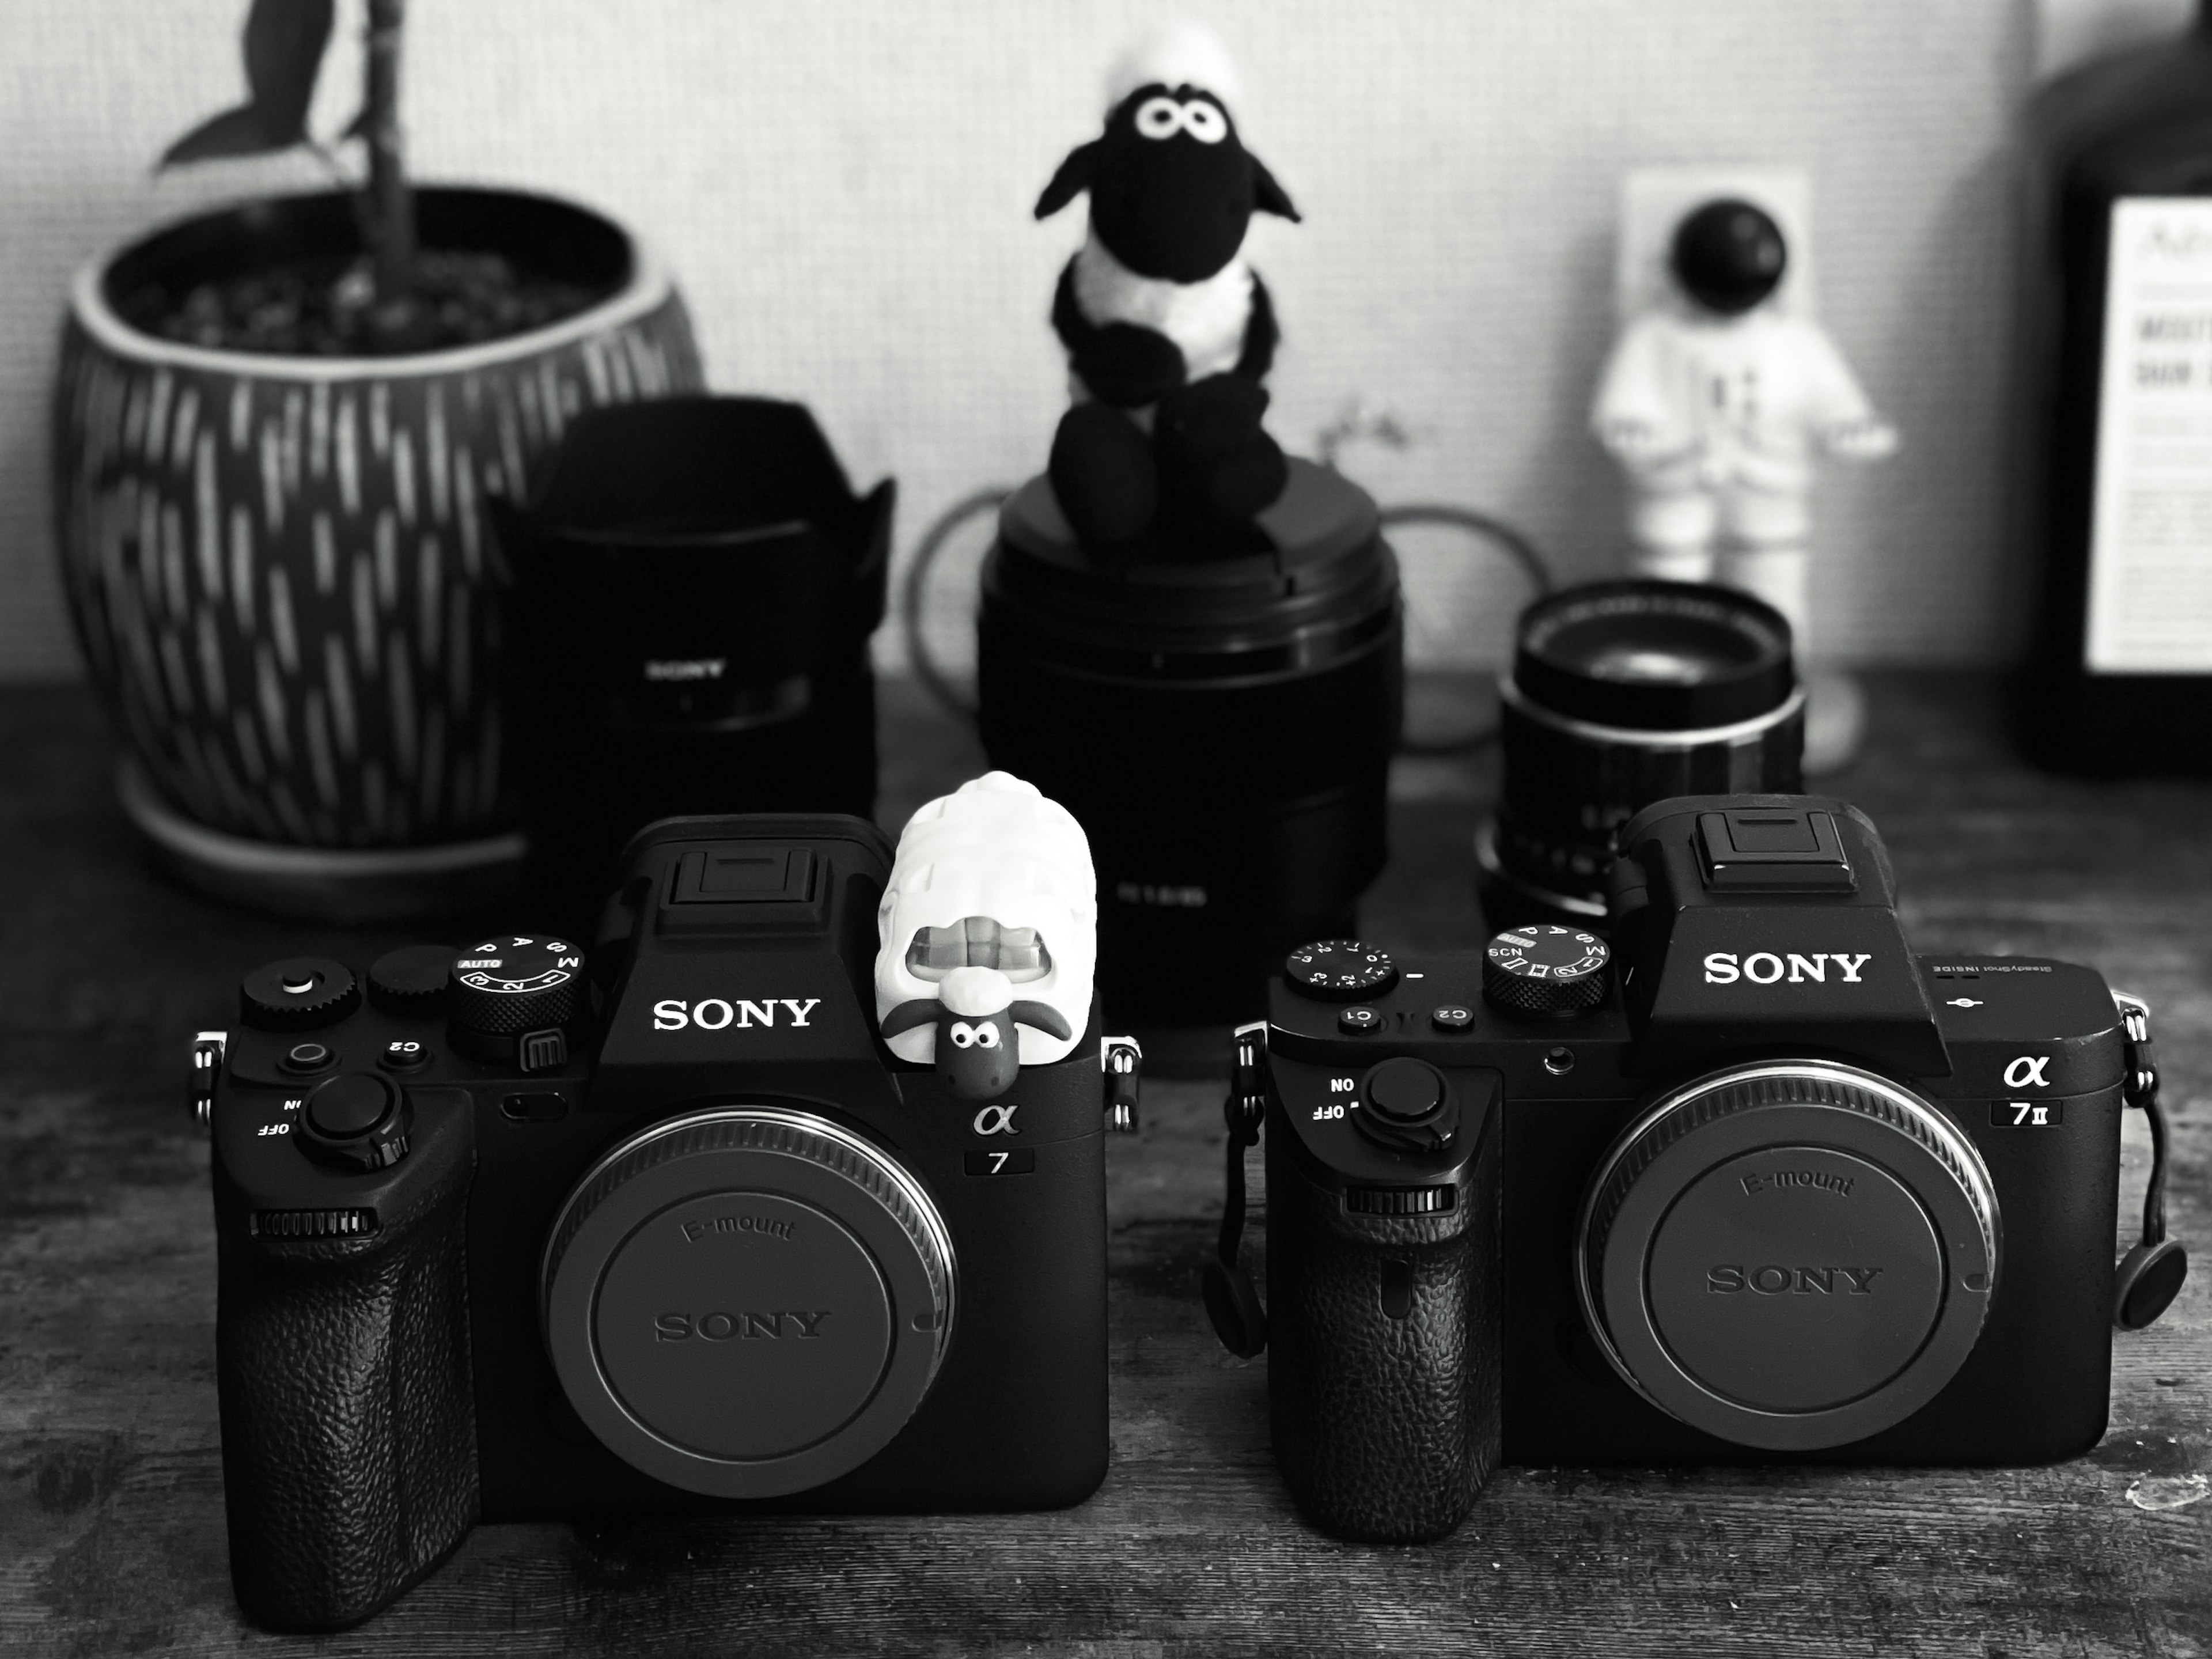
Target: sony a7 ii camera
<point>1754,1182</point>
<point>787,1193</point>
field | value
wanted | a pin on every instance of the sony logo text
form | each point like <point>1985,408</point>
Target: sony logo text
<point>1730,1279</point>
<point>713,1013</point>
<point>745,1327</point>
<point>1765,968</point>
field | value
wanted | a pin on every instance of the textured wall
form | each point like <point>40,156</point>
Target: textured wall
<point>843,189</point>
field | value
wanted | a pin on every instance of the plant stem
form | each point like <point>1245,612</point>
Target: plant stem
<point>391,208</point>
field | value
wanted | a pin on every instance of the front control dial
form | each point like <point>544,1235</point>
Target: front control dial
<point>355,1122</point>
<point>298,992</point>
<point>1546,970</point>
<point>516,982</point>
<point>1340,970</point>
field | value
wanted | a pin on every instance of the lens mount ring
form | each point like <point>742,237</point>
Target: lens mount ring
<point>1789,1255</point>
<point>746,1301</point>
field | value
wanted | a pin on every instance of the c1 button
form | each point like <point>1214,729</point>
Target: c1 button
<point>1359,1020</point>
<point>1452,1017</point>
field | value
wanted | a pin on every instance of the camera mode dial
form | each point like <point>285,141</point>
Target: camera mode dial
<point>1550,972</point>
<point>516,982</point>
<point>355,1122</point>
<point>1340,970</point>
<point>297,993</point>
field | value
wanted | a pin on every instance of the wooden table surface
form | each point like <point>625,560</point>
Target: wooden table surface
<point>111,1533</point>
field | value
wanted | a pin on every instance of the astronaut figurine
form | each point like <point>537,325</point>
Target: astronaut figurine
<point>1713,404</point>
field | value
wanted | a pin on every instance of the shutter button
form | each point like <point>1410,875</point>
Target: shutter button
<point>355,1121</point>
<point>1408,1106</point>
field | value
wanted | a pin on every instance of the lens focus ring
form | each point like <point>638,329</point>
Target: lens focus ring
<point>1790,1255</point>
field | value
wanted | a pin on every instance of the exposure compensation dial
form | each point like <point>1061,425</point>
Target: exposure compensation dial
<point>1340,970</point>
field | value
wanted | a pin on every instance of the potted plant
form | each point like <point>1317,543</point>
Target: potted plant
<point>277,426</point>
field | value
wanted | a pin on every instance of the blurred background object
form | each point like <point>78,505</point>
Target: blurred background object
<point>845,190</point>
<point>276,428</point>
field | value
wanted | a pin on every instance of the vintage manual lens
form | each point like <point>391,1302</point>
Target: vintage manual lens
<point>1221,728</point>
<point>1622,694</point>
<point>695,587</point>
<point>1791,1255</point>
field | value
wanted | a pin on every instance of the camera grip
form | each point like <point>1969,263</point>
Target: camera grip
<point>1384,1376</point>
<point>348,1425</point>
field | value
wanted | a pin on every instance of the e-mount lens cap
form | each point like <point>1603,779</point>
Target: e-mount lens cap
<point>747,1302</point>
<point>1789,1255</point>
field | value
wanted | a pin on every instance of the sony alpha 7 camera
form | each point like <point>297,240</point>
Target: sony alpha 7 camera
<point>787,1193</point>
<point>1754,1182</point>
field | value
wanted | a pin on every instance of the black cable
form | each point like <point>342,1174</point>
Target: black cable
<point>1516,546</point>
<point>911,593</point>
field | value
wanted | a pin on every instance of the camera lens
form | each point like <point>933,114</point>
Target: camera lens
<point>1221,728</point>
<point>1790,1255</point>
<point>1622,694</point>
<point>694,589</point>
<point>747,1302</point>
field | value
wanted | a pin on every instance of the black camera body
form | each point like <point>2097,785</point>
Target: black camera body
<point>487,1254</point>
<point>1767,1187</point>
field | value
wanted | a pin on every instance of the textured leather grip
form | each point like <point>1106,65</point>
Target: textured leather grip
<point>349,1424</point>
<point>1385,1427</point>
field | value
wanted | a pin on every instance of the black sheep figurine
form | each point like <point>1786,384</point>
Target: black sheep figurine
<point>1169,332</point>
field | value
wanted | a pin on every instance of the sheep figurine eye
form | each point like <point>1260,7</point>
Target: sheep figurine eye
<point>1203,122</point>
<point>964,1035</point>
<point>1160,118</point>
<point>986,1036</point>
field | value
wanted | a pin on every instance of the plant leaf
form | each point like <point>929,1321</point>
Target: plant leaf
<point>284,42</point>
<point>241,131</point>
<point>283,46</point>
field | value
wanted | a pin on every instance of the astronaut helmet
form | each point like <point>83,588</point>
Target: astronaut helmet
<point>1728,255</point>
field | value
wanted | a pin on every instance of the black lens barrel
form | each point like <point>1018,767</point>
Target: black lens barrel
<point>1222,729</point>
<point>695,584</point>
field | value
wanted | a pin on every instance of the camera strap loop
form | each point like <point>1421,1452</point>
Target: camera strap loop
<point>2150,1275</point>
<point>1231,1301</point>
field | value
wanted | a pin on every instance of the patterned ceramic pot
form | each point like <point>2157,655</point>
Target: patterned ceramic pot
<point>281,568</point>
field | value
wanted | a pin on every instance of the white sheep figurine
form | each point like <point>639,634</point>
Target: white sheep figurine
<point>988,936</point>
